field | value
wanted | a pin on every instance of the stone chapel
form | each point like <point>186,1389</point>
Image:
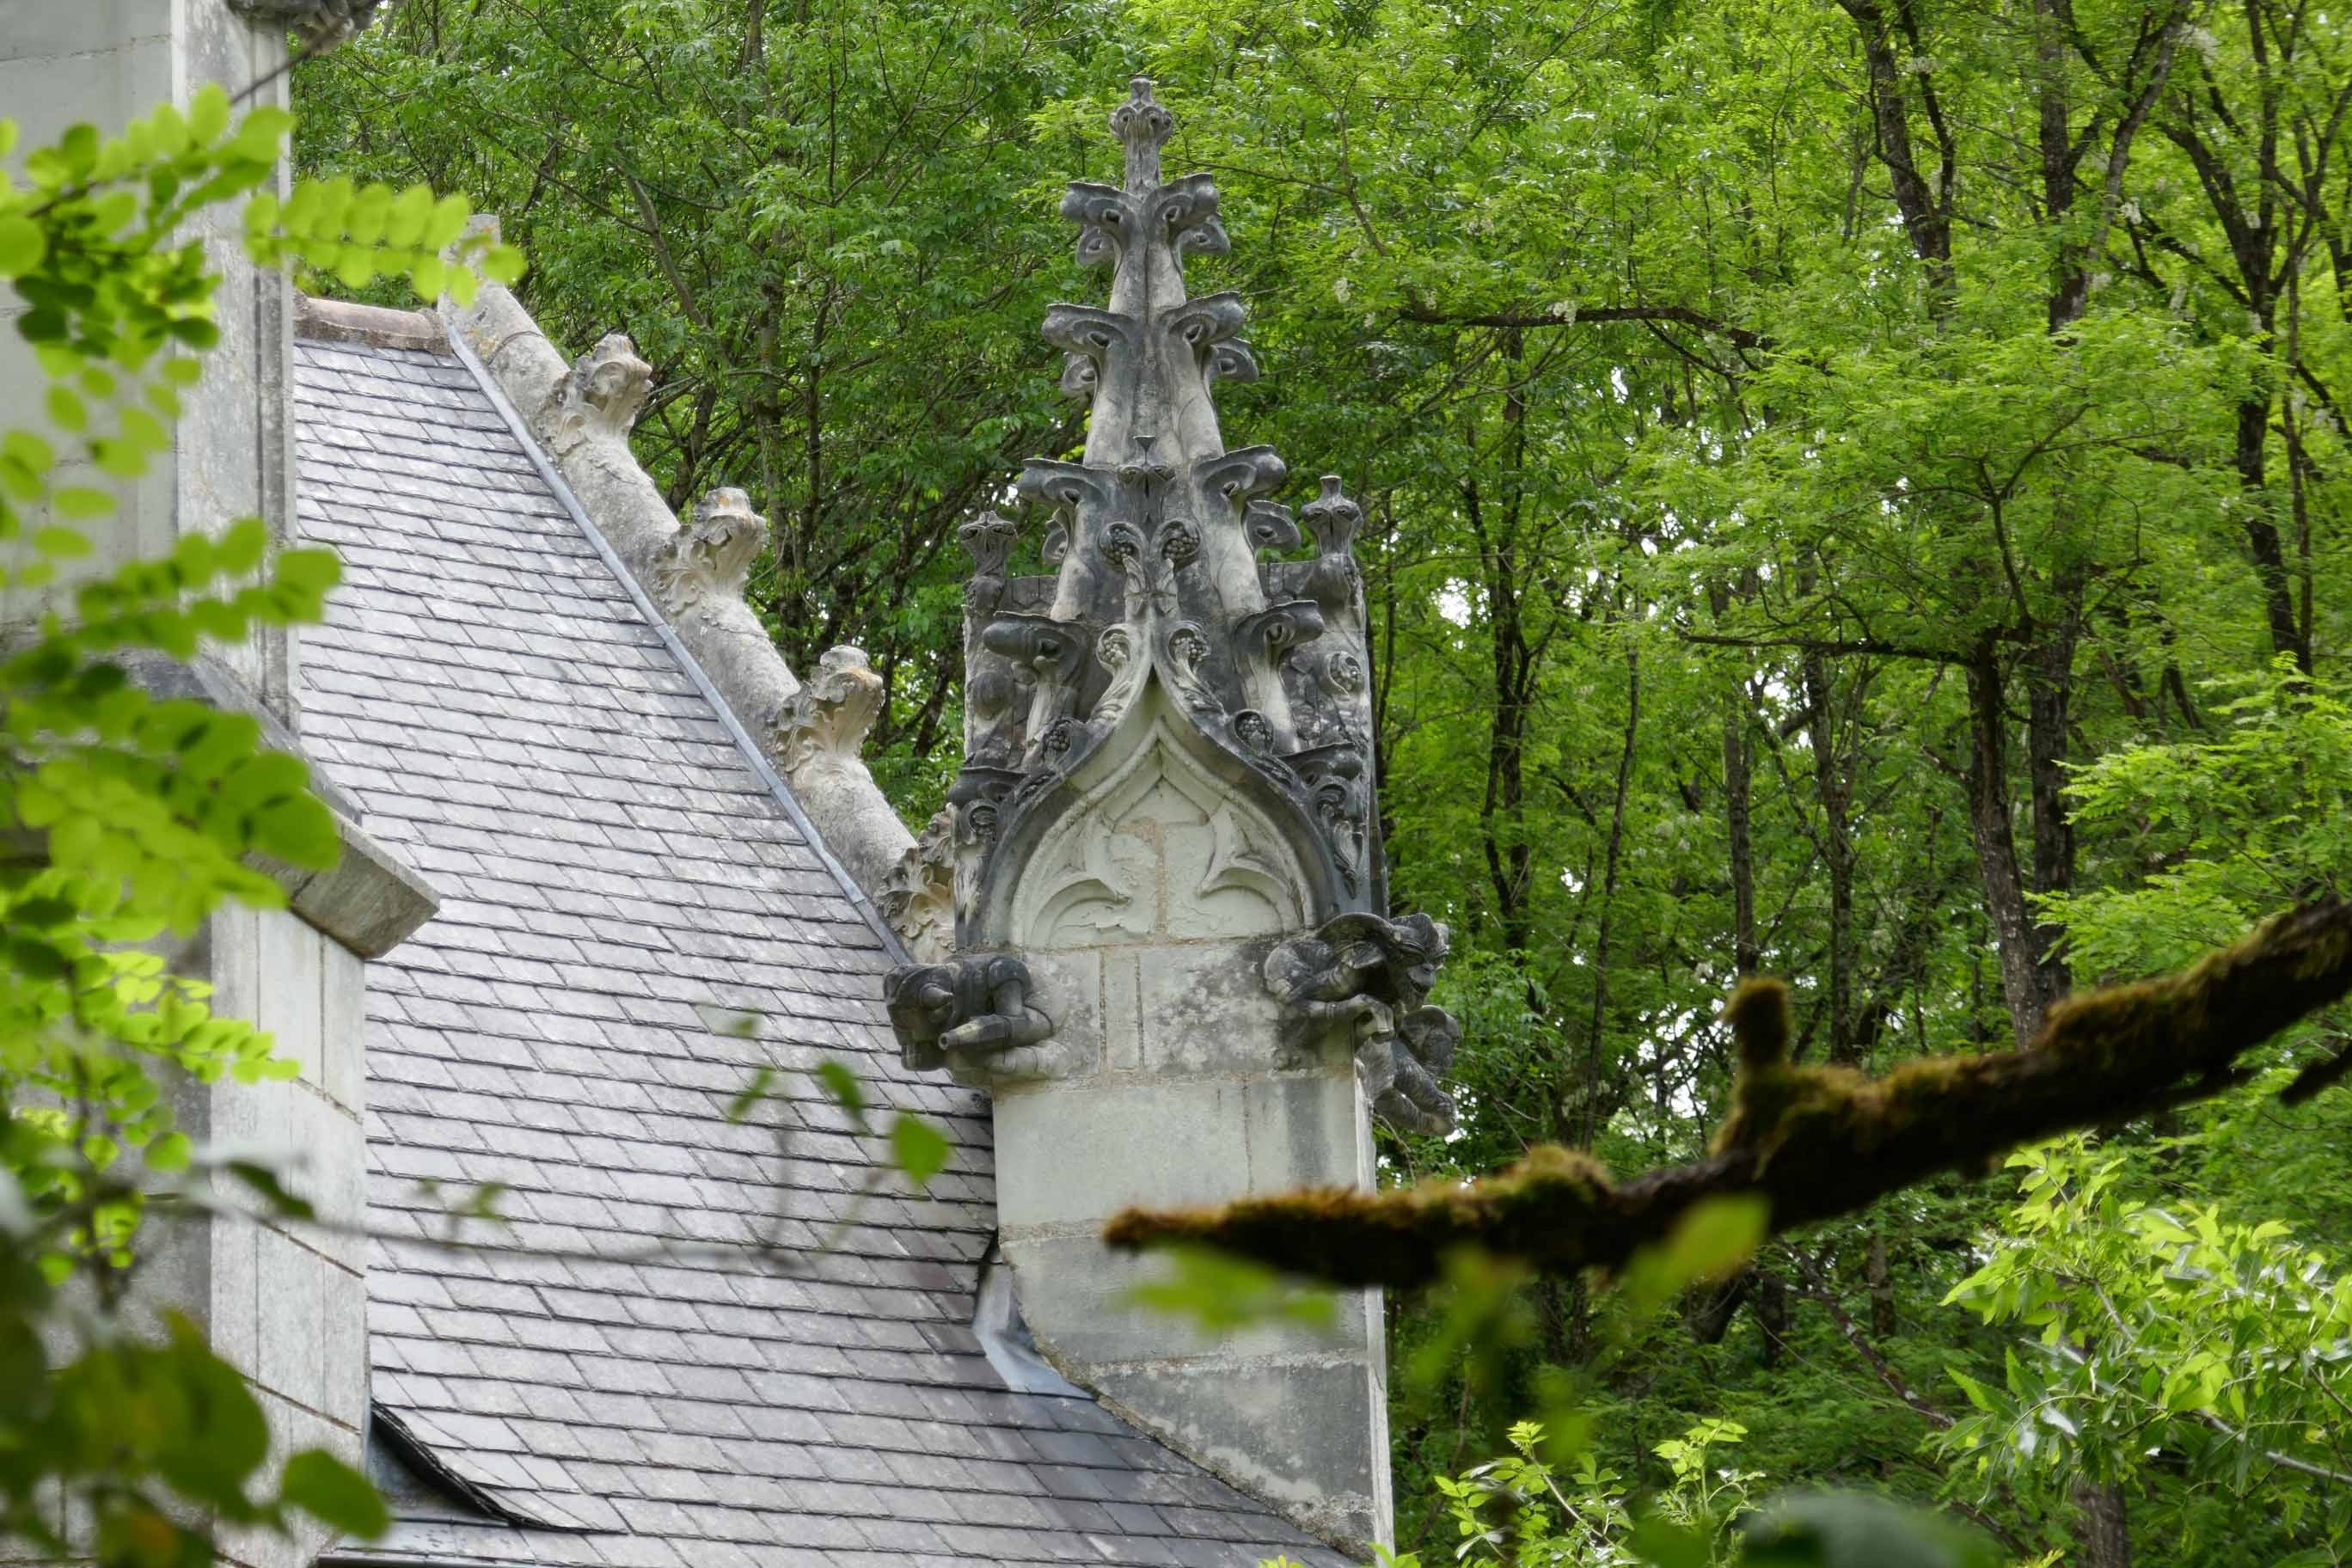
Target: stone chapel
<point>592,820</point>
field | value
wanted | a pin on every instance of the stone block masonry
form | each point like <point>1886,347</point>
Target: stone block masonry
<point>1173,962</point>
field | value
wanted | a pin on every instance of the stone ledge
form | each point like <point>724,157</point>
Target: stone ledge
<point>342,321</point>
<point>370,902</point>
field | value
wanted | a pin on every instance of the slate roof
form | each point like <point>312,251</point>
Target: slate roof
<point>610,859</point>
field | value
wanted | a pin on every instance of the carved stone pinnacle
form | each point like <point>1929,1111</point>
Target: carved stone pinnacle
<point>1144,126</point>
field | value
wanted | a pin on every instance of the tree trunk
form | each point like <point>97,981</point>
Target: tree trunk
<point>1738,771</point>
<point>1834,784</point>
<point>2263,539</point>
<point>2014,938</point>
<point>2102,1527</point>
<point>2049,696</point>
<point>1772,1316</point>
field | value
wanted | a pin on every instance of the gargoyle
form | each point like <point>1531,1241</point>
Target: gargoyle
<point>978,1001</point>
<point>1376,974</point>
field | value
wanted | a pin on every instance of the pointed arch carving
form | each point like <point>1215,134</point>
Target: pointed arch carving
<point>1156,844</point>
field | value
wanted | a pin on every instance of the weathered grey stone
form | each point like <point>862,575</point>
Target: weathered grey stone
<point>704,564</point>
<point>1245,1419</point>
<point>975,1003</point>
<point>918,893</point>
<point>581,413</point>
<point>379,326</point>
<point>369,901</point>
<point>1372,976</point>
<point>814,738</point>
<point>1166,810</point>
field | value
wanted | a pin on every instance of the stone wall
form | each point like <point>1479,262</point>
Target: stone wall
<point>285,1303</point>
<point>107,62</point>
<point>1145,916</point>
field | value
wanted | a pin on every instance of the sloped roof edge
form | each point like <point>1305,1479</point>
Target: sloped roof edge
<point>751,750</point>
<point>578,415</point>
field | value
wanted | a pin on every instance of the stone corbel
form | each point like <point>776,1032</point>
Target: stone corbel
<point>826,722</point>
<point>974,1006</point>
<point>1373,975</point>
<point>705,563</point>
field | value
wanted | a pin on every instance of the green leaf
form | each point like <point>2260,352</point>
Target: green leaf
<point>840,1085</point>
<point>447,222</point>
<point>299,830</point>
<point>23,447</point>
<point>1220,1292</point>
<point>334,1494</point>
<point>208,113</point>
<point>502,264</point>
<point>1858,1530</point>
<point>748,1098</point>
<point>263,1183</point>
<point>67,410</point>
<point>23,244</point>
<point>919,1149</point>
<point>1662,1544</point>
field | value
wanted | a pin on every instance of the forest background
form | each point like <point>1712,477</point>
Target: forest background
<point>1856,489</point>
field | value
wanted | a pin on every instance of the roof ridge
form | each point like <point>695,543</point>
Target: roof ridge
<point>728,717</point>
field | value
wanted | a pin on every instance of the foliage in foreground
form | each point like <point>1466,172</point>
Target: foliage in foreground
<point>125,820</point>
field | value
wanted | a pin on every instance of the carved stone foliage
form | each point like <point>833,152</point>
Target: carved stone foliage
<point>1159,538</point>
<point>1161,849</point>
<point>704,564</point>
<point>917,896</point>
<point>322,23</point>
<point>1374,974</point>
<point>827,718</point>
<point>976,1003</point>
<point>599,400</point>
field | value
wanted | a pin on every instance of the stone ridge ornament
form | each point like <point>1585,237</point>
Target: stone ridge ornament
<point>598,400</point>
<point>1175,567</point>
<point>705,562</point>
<point>828,717</point>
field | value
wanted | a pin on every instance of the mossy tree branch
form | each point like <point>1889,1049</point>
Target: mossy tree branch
<point>1814,1141</point>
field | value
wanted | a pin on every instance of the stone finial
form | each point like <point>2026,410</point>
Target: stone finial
<point>826,719</point>
<point>704,564</point>
<point>1333,518</point>
<point>989,538</point>
<point>1160,534</point>
<point>600,398</point>
<point>1144,126</point>
<point>1165,838</point>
